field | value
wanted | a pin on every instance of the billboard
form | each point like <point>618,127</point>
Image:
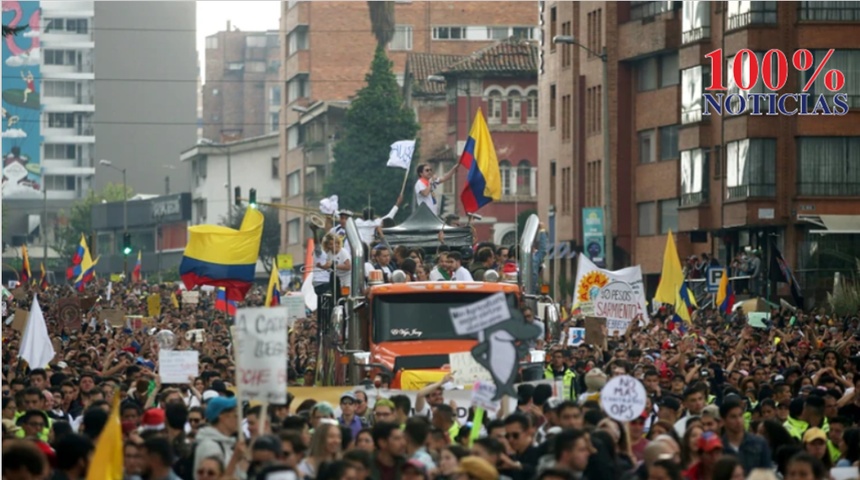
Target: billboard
<point>22,176</point>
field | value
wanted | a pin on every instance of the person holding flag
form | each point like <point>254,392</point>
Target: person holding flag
<point>273,292</point>
<point>426,186</point>
<point>135,274</point>
<point>725,295</point>
<point>673,289</point>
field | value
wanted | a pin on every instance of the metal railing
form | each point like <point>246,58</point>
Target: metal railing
<point>751,191</point>
<point>829,11</point>
<point>828,189</point>
<point>695,198</point>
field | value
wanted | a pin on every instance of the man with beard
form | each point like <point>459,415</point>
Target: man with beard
<point>390,446</point>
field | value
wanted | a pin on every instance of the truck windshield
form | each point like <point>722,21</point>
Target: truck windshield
<point>421,316</point>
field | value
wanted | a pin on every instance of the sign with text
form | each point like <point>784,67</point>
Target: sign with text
<point>466,370</point>
<point>575,336</point>
<point>623,398</point>
<point>595,331</point>
<point>176,366</point>
<point>478,316</point>
<point>618,296</point>
<point>715,274</point>
<point>295,303</point>
<point>482,396</point>
<point>190,298</point>
<point>113,316</point>
<point>261,354</point>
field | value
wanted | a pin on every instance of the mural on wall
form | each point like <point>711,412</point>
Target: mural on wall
<point>22,176</point>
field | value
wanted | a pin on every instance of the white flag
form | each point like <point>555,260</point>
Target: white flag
<point>109,290</point>
<point>36,346</point>
<point>309,293</point>
<point>401,154</point>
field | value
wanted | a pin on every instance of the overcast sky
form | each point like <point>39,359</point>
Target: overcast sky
<point>212,17</point>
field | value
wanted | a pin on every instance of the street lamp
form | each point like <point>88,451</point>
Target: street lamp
<point>607,164</point>
<point>224,148</point>
<point>107,163</point>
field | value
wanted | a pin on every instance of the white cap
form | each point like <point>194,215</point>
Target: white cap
<point>209,395</point>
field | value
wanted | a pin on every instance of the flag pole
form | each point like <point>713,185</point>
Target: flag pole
<point>403,187</point>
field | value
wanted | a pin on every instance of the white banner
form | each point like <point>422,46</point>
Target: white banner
<point>618,296</point>
<point>178,366</point>
<point>401,154</point>
<point>261,354</point>
<point>478,316</point>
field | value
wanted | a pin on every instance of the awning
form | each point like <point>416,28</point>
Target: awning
<point>833,224</point>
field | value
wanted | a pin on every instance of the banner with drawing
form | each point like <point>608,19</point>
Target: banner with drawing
<point>619,295</point>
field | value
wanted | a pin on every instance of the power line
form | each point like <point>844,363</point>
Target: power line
<point>175,80</point>
<point>199,124</point>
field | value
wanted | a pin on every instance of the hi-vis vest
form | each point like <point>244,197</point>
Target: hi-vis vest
<point>568,379</point>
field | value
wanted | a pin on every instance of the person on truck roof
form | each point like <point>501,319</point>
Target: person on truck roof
<point>484,260</point>
<point>368,224</point>
<point>426,186</point>
<point>442,270</point>
<point>459,272</point>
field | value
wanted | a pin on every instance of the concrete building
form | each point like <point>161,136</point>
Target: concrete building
<point>328,50</point>
<point>501,80</point>
<point>723,183</point>
<point>242,89</point>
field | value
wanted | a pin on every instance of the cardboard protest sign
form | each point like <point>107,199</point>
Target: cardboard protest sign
<point>295,303</point>
<point>69,312</point>
<point>197,335</point>
<point>19,322</point>
<point>595,331</point>
<point>466,370</point>
<point>261,354</point>
<point>153,304</point>
<point>623,398</point>
<point>175,366</point>
<point>483,394</point>
<point>190,298</point>
<point>618,296</point>
<point>757,319</point>
<point>114,316</point>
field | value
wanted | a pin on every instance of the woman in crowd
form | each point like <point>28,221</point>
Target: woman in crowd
<point>325,447</point>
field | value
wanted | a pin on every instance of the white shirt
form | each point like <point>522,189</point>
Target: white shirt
<point>462,275</point>
<point>435,275</point>
<point>367,228</point>
<point>343,276</point>
<point>320,275</point>
<point>428,200</point>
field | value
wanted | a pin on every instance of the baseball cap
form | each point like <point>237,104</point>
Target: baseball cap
<point>709,442</point>
<point>814,434</point>
<point>217,406</point>
<point>209,395</point>
<point>712,411</point>
<point>477,468</point>
<point>348,396</point>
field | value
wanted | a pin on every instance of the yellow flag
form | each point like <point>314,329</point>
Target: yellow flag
<point>173,300</point>
<point>273,291</point>
<point>107,461</point>
<point>672,289</point>
<point>153,302</point>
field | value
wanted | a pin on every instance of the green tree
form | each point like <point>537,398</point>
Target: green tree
<point>79,220</point>
<point>376,118</point>
<point>382,21</point>
<point>271,242</point>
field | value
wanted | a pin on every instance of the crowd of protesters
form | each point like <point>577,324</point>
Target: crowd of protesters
<point>725,401</point>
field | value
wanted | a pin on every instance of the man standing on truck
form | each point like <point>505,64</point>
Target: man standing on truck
<point>557,370</point>
<point>426,186</point>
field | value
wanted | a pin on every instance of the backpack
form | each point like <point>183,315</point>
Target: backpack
<point>183,467</point>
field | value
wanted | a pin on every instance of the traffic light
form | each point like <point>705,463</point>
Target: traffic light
<point>237,197</point>
<point>252,198</point>
<point>126,244</point>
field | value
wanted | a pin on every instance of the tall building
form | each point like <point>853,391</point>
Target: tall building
<point>328,50</point>
<point>242,89</point>
<point>726,184</point>
<point>136,95</point>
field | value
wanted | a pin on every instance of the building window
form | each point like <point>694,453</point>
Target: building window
<point>594,109</point>
<point>494,107</point>
<point>275,164</point>
<point>199,210</point>
<point>595,33</point>
<point>274,121</point>
<point>402,39</point>
<point>696,21</point>
<point>275,95</point>
<point>298,87</point>
<point>566,118</point>
<point>691,94</point>
<point>741,14</point>
<point>449,33</point>
<point>642,10</point>
<point>60,151</point>
<point>552,105</point>
<point>830,11</point>
<point>515,107</point>
<point>295,137</point>
<point>828,166</point>
<point>532,106</point>
<point>566,48</point>
<point>61,183</point>
<point>647,147</point>
<point>566,203</point>
<point>553,27</point>
<point>646,74</point>
<point>294,186</point>
<point>668,215</point>
<point>751,168</point>
<point>668,142</point>
<point>255,41</point>
<point>524,179</point>
<point>298,40</point>
<point>523,33</point>
<point>759,86</point>
<point>505,172</point>
<point>647,218</point>
<point>60,57</point>
<point>552,180</point>
<point>56,88</point>
<point>846,61</point>
<point>293,231</point>
<point>212,42</point>
<point>61,120</point>
<point>694,171</point>
<point>669,75</point>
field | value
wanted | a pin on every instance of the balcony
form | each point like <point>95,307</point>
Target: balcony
<point>317,154</point>
<point>695,35</point>
<point>651,34</point>
<point>828,11</point>
<point>828,189</point>
<point>694,199</point>
<point>750,191</point>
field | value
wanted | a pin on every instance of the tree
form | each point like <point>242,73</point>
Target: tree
<point>79,219</point>
<point>271,242</point>
<point>376,118</point>
<point>382,21</point>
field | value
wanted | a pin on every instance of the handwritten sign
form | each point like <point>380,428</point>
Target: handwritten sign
<point>623,398</point>
<point>196,335</point>
<point>113,316</point>
<point>478,316</point>
<point>153,303</point>
<point>482,396</point>
<point>190,298</point>
<point>175,366</point>
<point>757,319</point>
<point>261,353</point>
<point>575,336</point>
<point>594,331</point>
<point>295,303</point>
<point>466,370</point>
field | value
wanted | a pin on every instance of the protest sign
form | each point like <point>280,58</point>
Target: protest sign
<point>196,335</point>
<point>190,298</point>
<point>575,336</point>
<point>757,319</point>
<point>87,303</point>
<point>478,316</point>
<point>466,370</point>
<point>623,398</point>
<point>69,312</point>
<point>595,331</point>
<point>482,396</point>
<point>175,366</point>
<point>295,303</point>
<point>619,295</point>
<point>114,317</point>
<point>19,321</point>
<point>261,354</point>
<point>153,303</point>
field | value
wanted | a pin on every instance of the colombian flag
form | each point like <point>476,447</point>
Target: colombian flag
<point>26,275</point>
<point>222,304</point>
<point>223,257</point>
<point>75,270</point>
<point>483,181</point>
<point>135,274</point>
<point>273,292</point>
<point>44,281</point>
<point>725,294</point>
<point>86,269</point>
